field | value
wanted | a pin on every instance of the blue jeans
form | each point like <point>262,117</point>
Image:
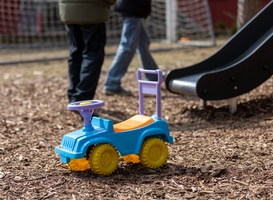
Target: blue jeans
<point>134,38</point>
<point>86,57</point>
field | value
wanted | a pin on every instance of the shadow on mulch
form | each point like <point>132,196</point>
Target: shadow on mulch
<point>244,110</point>
<point>116,115</point>
<point>128,172</point>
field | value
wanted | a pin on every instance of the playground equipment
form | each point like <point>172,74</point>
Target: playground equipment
<point>99,144</point>
<point>241,65</point>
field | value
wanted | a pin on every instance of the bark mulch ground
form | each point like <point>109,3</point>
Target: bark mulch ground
<point>216,155</point>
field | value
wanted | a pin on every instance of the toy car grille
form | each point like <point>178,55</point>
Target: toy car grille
<point>68,143</point>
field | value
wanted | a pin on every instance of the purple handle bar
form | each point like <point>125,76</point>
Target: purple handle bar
<point>150,87</point>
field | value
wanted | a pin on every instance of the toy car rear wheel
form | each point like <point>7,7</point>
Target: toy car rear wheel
<point>154,153</point>
<point>103,159</point>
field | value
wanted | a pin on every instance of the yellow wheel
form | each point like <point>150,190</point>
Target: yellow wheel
<point>78,164</point>
<point>103,159</point>
<point>154,153</point>
<point>133,158</point>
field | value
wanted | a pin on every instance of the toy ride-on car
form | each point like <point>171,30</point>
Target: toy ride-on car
<point>99,144</point>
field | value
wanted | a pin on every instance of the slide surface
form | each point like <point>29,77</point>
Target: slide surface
<point>239,66</point>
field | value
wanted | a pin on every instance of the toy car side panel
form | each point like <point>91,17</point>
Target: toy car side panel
<point>130,142</point>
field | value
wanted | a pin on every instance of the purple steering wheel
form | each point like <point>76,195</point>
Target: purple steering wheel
<point>86,109</point>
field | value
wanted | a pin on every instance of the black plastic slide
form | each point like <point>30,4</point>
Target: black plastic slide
<point>242,64</point>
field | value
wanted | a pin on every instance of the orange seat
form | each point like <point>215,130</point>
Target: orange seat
<point>134,122</point>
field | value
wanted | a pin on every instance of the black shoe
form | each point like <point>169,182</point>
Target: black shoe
<point>121,92</point>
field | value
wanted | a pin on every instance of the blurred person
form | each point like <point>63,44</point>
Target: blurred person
<point>134,38</point>
<point>86,30</point>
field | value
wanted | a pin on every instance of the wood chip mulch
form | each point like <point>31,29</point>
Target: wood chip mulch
<point>216,155</point>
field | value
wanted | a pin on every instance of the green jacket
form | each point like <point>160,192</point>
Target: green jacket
<point>85,11</point>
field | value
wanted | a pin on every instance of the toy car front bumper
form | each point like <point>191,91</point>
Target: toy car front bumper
<point>66,155</point>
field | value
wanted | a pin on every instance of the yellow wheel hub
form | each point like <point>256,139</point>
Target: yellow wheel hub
<point>103,159</point>
<point>154,153</point>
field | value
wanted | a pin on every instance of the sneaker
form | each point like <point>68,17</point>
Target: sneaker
<point>121,92</point>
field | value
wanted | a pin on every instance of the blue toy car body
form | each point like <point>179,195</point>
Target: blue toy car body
<point>125,138</point>
<point>75,144</point>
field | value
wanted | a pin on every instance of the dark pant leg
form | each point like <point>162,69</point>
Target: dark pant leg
<point>93,56</point>
<point>94,39</point>
<point>75,58</point>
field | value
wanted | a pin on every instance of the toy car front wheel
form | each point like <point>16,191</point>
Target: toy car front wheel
<point>103,159</point>
<point>154,153</point>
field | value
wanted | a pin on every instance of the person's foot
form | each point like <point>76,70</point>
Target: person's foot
<point>121,92</point>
